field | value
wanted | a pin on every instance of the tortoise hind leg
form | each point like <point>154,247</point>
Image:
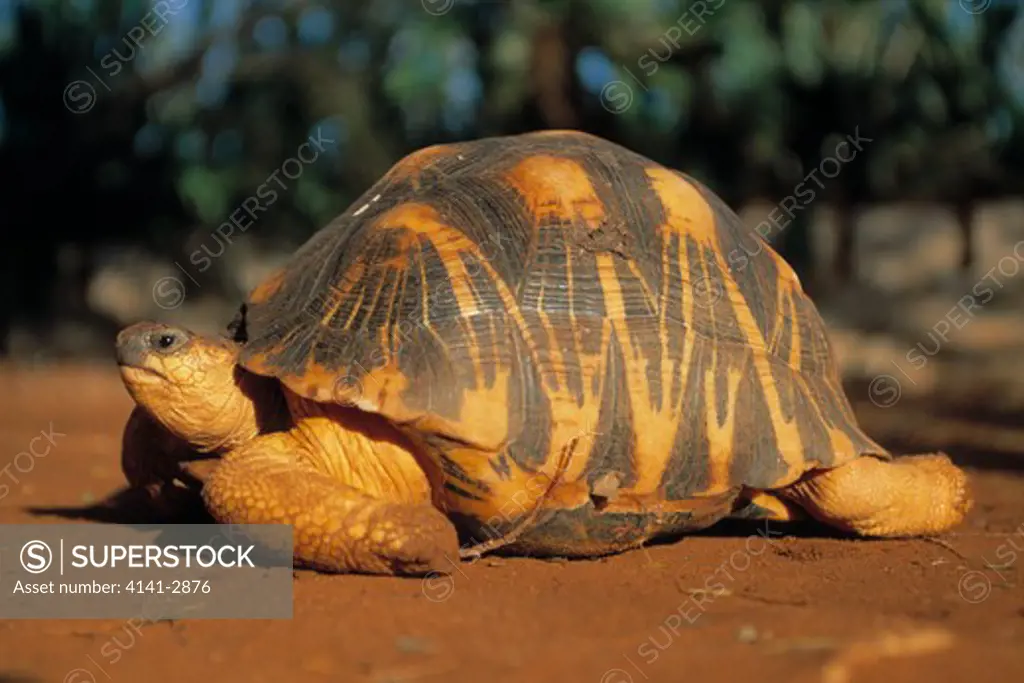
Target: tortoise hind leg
<point>768,506</point>
<point>908,496</point>
<point>336,527</point>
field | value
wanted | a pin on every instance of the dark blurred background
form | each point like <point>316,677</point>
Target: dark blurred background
<point>137,137</point>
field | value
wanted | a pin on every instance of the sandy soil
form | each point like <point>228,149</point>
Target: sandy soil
<point>713,607</point>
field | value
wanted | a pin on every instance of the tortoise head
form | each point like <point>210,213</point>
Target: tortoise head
<point>189,383</point>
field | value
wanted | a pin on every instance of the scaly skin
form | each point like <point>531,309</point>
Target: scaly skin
<point>915,495</point>
<point>353,489</point>
<point>908,496</point>
<point>337,528</point>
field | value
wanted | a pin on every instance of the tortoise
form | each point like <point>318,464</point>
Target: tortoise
<point>542,344</point>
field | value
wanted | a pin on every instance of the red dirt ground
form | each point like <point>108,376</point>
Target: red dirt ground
<point>805,608</point>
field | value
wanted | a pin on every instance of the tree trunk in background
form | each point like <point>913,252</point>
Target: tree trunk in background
<point>794,245</point>
<point>964,210</point>
<point>846,245</point>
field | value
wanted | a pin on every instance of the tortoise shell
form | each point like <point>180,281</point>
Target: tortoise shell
<point>567,328</point>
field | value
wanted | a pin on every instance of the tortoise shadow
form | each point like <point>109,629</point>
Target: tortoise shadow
<point>743,528</point>
<point>130,506</point>
<point>14,677</point>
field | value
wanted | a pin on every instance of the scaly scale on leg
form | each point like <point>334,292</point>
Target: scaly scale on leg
<point>909,496</point>
<point>336,527</point>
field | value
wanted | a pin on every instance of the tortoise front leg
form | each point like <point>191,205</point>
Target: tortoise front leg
<point>908,496</point>
<point>163,466</point>
<point>336,527</point>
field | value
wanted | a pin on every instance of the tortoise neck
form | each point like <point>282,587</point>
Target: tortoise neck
<point>264,394</point>
<point>254,406</point>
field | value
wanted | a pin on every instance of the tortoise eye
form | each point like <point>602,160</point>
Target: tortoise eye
<point>166,341</point>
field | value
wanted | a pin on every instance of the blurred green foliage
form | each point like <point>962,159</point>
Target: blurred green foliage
<point>148,123</point>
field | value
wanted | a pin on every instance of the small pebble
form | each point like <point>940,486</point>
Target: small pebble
<point>747,634</point>
<point>412,645</point>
